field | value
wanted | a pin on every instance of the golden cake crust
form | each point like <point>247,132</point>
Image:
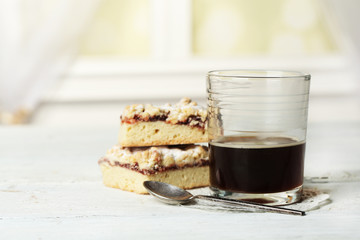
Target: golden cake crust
<point>159,133</point>
<point>132,181</point>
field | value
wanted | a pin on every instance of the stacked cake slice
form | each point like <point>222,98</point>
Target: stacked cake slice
<point>157,143</point>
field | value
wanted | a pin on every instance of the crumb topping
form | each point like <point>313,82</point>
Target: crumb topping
<point>157,158</point>
<point>184,112</point>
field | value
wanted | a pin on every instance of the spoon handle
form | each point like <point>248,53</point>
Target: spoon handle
<point>252,205</point>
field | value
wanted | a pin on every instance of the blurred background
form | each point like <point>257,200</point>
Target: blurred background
<point>79,62</point>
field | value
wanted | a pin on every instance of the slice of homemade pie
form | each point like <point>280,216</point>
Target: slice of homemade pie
<point>185,166</point>
<point>149,125</point>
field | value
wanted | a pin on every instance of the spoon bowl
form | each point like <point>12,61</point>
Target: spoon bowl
<point>168,193</point>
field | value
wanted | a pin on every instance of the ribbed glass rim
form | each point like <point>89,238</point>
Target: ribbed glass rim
<point>258,73</point>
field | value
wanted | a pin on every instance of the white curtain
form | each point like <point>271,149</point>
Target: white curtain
<point>38,40</point>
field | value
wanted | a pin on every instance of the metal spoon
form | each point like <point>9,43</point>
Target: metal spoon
<point>171,194</point>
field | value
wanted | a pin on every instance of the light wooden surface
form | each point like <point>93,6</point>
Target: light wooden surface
<point>50,188</point>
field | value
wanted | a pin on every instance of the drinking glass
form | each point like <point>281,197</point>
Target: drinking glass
<point>257,133</point>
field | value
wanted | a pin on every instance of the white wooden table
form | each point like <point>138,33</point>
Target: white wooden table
<point>50,188</point>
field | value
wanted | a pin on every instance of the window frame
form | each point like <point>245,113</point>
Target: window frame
<point>171,59</point>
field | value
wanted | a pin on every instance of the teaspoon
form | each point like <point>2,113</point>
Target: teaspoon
<point>171,194</point>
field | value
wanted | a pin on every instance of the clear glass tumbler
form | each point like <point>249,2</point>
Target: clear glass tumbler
<point>257,132</point>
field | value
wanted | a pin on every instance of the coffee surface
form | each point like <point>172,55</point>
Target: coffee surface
<point>256,165</point>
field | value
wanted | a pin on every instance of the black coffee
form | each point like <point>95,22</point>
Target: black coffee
<point>254,165</point>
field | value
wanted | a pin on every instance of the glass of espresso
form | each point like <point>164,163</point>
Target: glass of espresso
<point>257,133</point>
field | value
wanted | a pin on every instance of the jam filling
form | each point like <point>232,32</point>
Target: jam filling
<point>138,118</point>
<point>135,167</point>
<point>180,146</point>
